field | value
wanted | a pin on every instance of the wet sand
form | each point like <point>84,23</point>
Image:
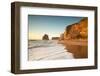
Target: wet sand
<point>79,48</point>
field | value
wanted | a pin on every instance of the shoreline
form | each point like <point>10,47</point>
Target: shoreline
<point>49,50</point>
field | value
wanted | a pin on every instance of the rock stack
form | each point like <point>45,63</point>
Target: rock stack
<point>45,37</point>
<point>55,38</point>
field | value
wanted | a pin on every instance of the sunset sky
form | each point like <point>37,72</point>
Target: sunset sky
<point>51,25</point>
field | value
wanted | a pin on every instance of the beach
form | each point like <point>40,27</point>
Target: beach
<point>47,50</point>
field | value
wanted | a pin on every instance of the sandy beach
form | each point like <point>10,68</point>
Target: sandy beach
<point>48,50</point>
<point>57,50</point>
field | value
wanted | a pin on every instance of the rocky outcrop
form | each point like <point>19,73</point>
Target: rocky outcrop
<point>45,37</point>
<point>75,38</point>
<point>55,38</point>
<point>77,30</point>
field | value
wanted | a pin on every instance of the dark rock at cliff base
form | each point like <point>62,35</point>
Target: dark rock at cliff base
<point>45,37</point>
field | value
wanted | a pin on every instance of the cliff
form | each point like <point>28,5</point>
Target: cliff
<point>75,38</point>
<point>77,30</point>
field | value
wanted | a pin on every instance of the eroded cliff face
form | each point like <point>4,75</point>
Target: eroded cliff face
<point>75,38</point>
<point>77,30</point>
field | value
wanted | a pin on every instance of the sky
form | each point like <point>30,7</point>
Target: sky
<point>51,25</point>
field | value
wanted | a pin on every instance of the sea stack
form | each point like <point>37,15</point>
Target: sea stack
<point>45,37</point>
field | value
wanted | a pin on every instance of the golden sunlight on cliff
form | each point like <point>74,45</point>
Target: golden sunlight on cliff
<point>77,30</point>
<point>75,38</point>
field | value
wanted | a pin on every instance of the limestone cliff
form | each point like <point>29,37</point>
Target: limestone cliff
<point>77,30</point>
